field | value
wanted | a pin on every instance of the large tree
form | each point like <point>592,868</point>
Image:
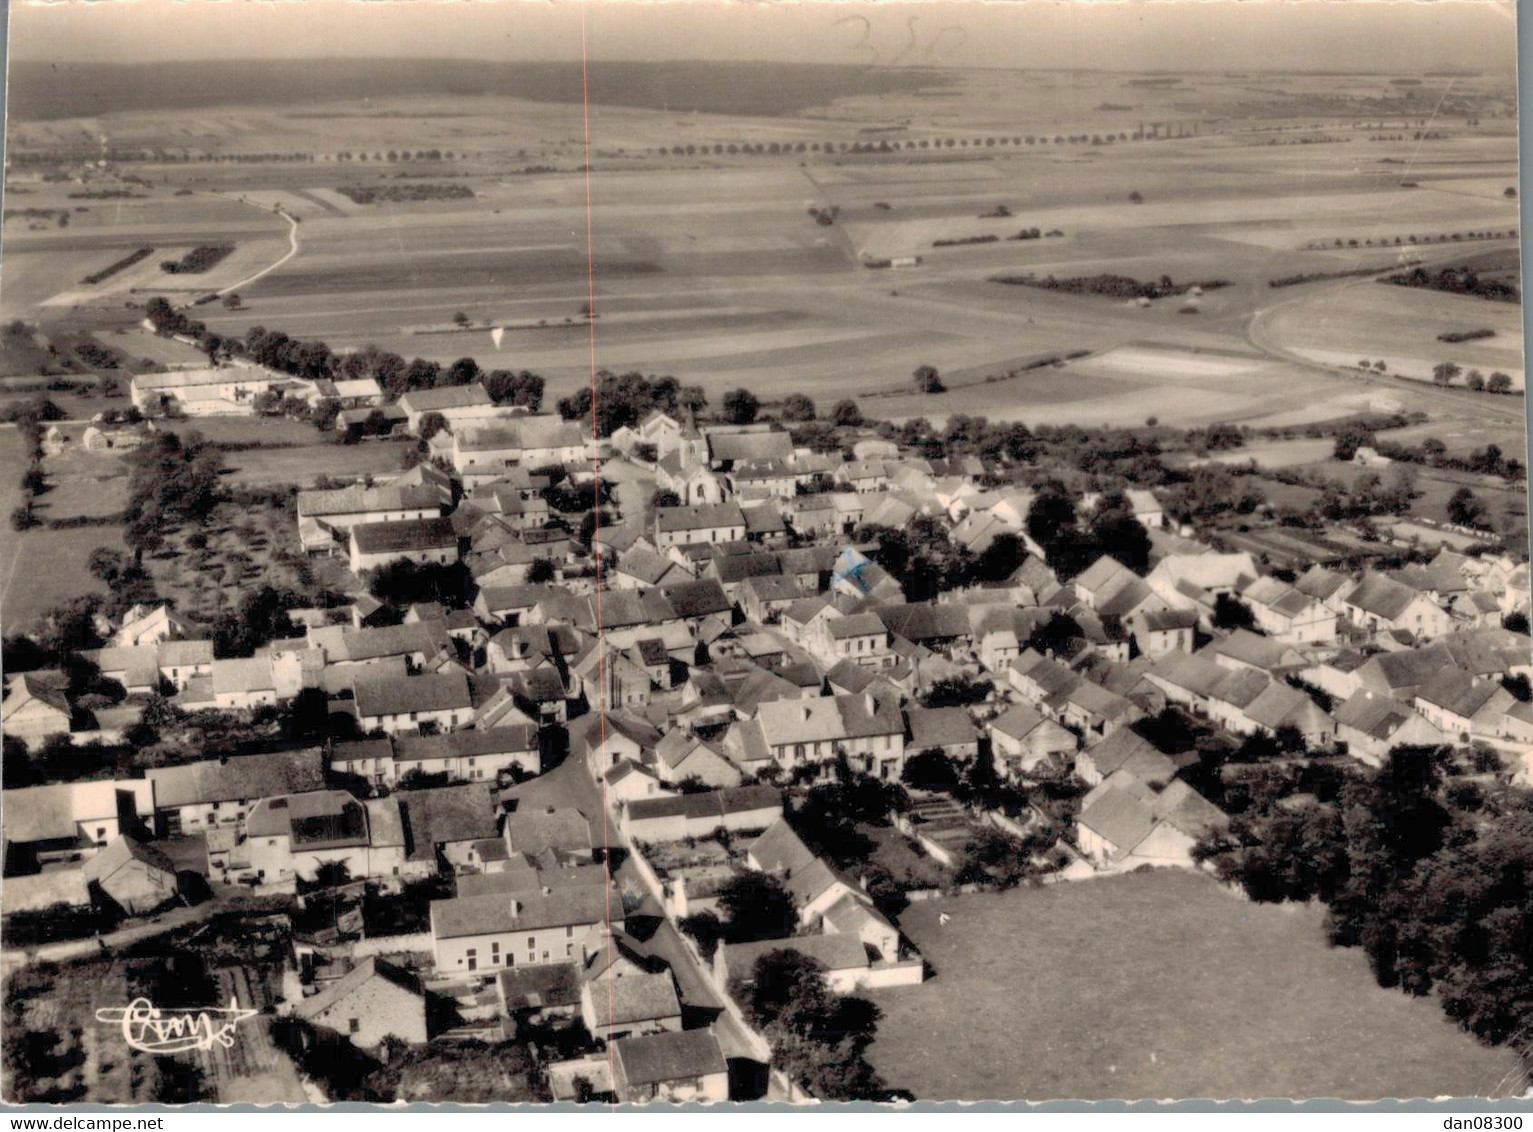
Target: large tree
<point>741,406</point>
<point>756,906</point>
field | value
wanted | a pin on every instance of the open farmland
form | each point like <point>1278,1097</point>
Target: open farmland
<point>1158,984</point>
<point>709,268</point>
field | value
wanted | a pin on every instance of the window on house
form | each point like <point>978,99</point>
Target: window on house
<point>354,1025</point>
<point>569,950</point>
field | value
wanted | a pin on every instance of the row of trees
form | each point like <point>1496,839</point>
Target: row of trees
<point>1445,374</point>
<point>889,145</point>
<point>314,360</point>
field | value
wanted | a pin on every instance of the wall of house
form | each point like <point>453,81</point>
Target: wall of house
<point>374,1011</point>
<point>444,556</point>
<point>498,950</point>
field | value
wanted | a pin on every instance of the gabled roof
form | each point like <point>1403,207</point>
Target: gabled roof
<point>674,1056</point>
<point>446,397</point>
<point>779,849</point>
<point>734,800</point>
<point>698,598</point>
<point>837,952</point>
<point>1459,692</point>
<point>698,517</point>
<point>394,695</point>
<point>239,778</point>
<point>940,727</point>
<point>1260,652</point>
<point>119,852</point>
<point>1381,596</point>
<point>1378,717</point>
<point>531,831</point>
<point>348,984</point>
<point>640,997</point>
<point>495,913</point>
<point>446,814</point>
<point>404,535</point>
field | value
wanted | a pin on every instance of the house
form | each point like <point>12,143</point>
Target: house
<point>462,756</point>
<point>326,517</point>
<point>1023,742</point>
<point>614,737</point>
<point>1462,704</point>
<point>149,625</point>
<point>764,598</point>
<point>422,541</point>
<point>1371,726</point>
<point>1186,581</point>
<point>1159,631</point>
<point>729,445</point>
<point>1380,604</point>
<point>853,915</point>
<point>494,930</point>
<point>396,704</point>
<point>295,836</point>
<point>684,1066</point>
<point>736,809</point>
<point>681,756</point>
<point>615,1006</point>
<point>134,876</point>
<point>1285,614</point>
<point>1124,750</point>
<point>228,390</point>
<point>862,638</point>
<point>629,781</point>
<point>949,730</point>
<point>373,1001</point>
<point>1125,823</point>
<point>1245,649</point>
<point>564,833</point>
<point>845,958</point>
<point>72,820</point>
<point>869,729</point>
<point>445,825</point>
<point>539,995</point>
<point>698,523</point>
<point>455,403</point>
<point>1111,589</point>
<point>1325,586</point>
<point>212,792</point>
<point>36,706</point>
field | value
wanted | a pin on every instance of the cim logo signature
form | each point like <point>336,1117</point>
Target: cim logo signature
<point>148,1028</point>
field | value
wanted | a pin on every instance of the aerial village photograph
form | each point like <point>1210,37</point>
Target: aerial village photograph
<point>631,554</point>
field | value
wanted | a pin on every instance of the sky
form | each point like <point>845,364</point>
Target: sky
<point>1391,36</point>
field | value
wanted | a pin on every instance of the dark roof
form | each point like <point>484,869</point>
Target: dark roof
<point>698,517</point>
<point>940,727</point>
<point>238,778</point>
<point>923,622</point>
<point>540,986</point>
<point>364,972</point>
<point>679,1055</point>
<point>738,799</point>
<point>395,695</point>
<point>404,535</point>
<point>696,599</point>
<point>447,814</point>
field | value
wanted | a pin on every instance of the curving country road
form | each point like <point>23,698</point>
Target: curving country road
<point>292,250</point>
<point>1258,334</point>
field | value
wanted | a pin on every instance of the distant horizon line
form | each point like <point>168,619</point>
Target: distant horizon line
<point>1318,72</point>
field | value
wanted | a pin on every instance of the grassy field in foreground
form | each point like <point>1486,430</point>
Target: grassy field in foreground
<point>1157,985</point>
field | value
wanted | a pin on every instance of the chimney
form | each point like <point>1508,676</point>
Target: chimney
<point>808,711</point>
<point>870,702</point>
<point>516,907</point>
<point>547,891</point>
